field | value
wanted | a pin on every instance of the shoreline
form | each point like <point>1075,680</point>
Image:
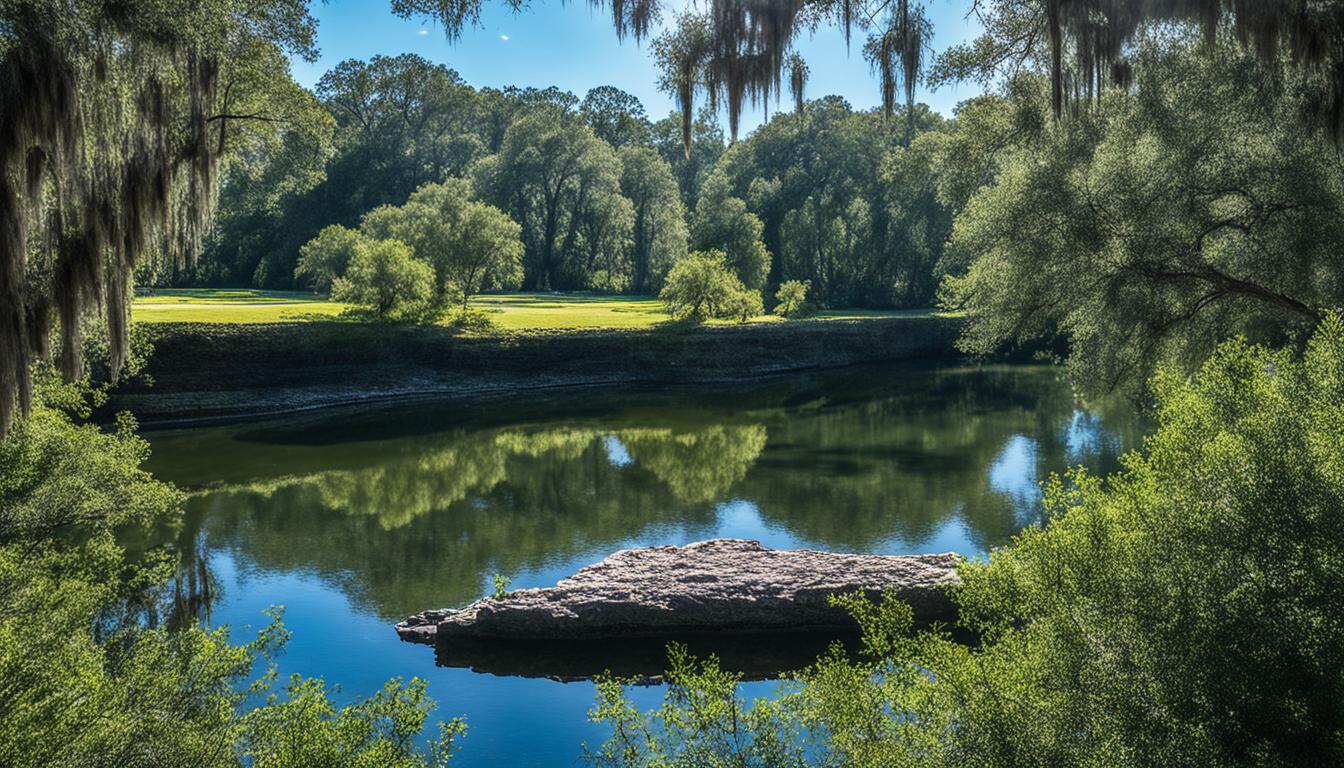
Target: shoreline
<point>205,373</point>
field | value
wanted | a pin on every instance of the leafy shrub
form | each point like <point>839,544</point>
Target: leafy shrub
<point>744,305</point>
<point>326,257</point>
<point>470,320</point>
<point>1185,611</point>
<point>87,678</point>
<point>791,298</point>
<point>386,280</point>
<point>701,287</point>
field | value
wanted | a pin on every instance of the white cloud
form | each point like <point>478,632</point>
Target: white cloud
<point>505,38</point>
<point>423,32</point>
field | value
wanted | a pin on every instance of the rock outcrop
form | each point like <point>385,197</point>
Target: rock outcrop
<point>720,585</point>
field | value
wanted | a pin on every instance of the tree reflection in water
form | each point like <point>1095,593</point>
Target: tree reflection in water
<point>416,506</point>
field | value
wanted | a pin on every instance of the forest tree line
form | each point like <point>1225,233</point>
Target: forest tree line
<point>606,198</point>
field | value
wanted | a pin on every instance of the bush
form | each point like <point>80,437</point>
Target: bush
<point>326,257</point>
<point>1185,611</point>
<point>701,287</point>
<point>744,305</point>
<point>386,280</point>
<point>471,320</point>
<point>791,298</point>
<point>89,677</point>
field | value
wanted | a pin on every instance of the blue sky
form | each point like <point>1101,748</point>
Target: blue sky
<point>573,46</point>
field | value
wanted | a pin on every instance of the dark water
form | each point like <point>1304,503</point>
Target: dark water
<point>351,521</point>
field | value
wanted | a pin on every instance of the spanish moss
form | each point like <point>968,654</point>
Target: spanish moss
<point>1090,39</point>
<point>108,154</point>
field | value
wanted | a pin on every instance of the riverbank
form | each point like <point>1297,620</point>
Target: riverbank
<point>204,372</point>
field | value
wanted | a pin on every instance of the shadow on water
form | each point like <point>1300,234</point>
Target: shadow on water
<point>753,656</point>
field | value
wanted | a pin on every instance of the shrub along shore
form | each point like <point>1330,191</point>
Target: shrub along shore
<point>211,371</point>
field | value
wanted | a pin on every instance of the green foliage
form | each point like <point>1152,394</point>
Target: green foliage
<point>303,728</point>
<point>1159,223</point>
<point>616,117</point>
<point>385,279</point>
<point>561,183</point>
<point>702,286</point>
<point>703,723</point>
<point>326,257</point>
<point>501,583</point>
<point>690,169</point>
<point>90,676</point>
<point>62,477</point>
<point>471,246</point>
<point>744,305</point>
<point>1182,612</point>
<point>658,231</point>
<point>723,223</point>
<point>791,298</point>
<point>393,123</point>
<point>115,122</point>
<point>843,201</point>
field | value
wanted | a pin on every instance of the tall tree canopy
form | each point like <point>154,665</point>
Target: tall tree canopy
<point>658,231</point>
<point>737,53</point>
<point>562,185</point>
<point>1194,209</point>
<point>841,202</point>
<point>617,117</point>
<point>399,122</point>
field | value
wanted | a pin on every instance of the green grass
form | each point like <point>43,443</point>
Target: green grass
<point>510,311</point>
<point>231,305</point>
<point>540,311</point>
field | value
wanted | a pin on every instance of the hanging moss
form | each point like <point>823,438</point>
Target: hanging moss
<point>108,155</point>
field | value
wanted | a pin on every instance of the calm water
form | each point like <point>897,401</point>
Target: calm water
<point>353,520</point>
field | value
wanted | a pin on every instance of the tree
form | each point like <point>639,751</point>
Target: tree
<point>690,169</point>
<point>744,305</point>
<point>121,111</point>
<point>385,277</point>
<point>489,252</point>
<point>269,171</point>
<point>399,122</point>
<point>846,201</point>
<point>405,121</point>
<point>604,227</point>
<point>723,223</point>
<point>326,257</point>
<point>659,226</point>
<point>470,245</point>
<point>702,286</point>
<point>1158,224</point>
<point>616,117</point>
<point>791,298</point>
<point>551,174</point>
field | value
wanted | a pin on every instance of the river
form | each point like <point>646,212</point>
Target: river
<point>353,519</point>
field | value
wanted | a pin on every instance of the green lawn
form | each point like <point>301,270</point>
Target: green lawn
<point>511,311</point>
<point>231,305</point>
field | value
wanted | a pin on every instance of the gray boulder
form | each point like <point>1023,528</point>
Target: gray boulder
<point>720,585</point>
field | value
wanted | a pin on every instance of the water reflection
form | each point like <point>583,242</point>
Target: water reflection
<point>416,507</point>
<point>355,519</point>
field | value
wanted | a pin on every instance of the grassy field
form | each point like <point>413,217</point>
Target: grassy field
<point>510,311</point>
